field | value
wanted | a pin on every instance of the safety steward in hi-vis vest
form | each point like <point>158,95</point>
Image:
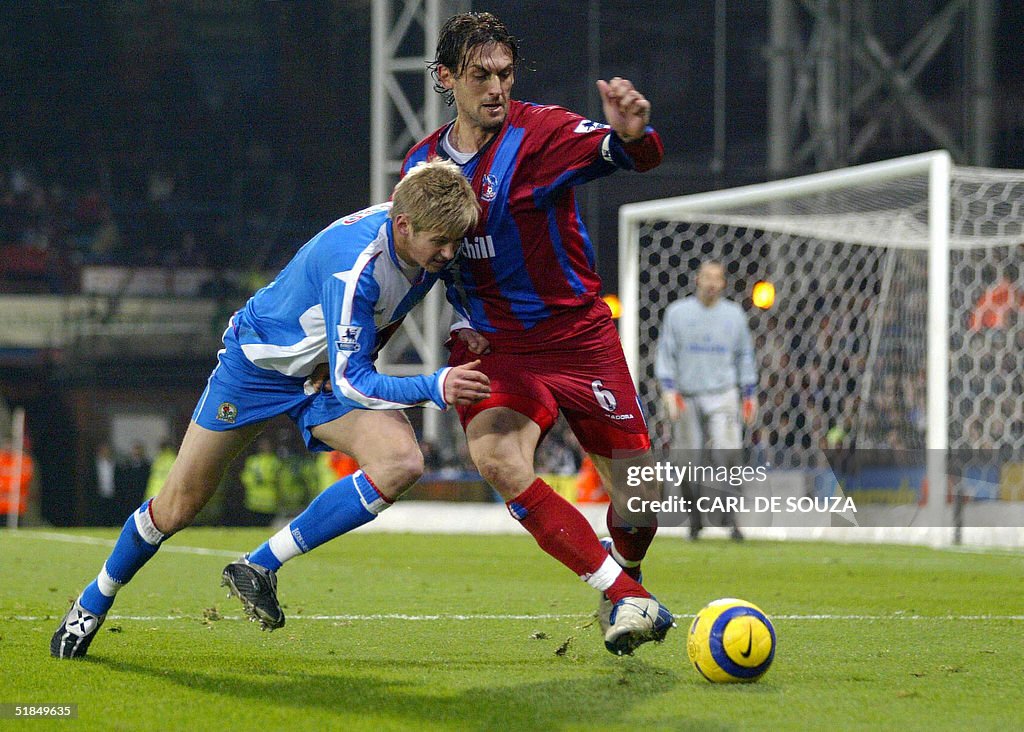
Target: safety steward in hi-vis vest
<point>261,477</point>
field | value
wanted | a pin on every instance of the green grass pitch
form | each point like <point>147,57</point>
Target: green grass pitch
<point>484,633</point>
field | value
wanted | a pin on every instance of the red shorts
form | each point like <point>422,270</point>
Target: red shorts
<point>583,374</point>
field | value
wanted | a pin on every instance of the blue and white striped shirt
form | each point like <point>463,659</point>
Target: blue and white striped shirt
<point>339,300</point>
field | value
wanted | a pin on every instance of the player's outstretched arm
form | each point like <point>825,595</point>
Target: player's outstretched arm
<point>465,385</point>
<point>625,109</point>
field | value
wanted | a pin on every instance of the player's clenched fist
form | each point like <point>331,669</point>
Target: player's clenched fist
<point>625,109</point>
<point>465,385</point>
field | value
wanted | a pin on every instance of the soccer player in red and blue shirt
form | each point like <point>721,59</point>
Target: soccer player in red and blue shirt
<point>529,299</point>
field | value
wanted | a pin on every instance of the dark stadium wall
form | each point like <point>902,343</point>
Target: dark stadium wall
<point>126,389</point>
<point>69,412</point>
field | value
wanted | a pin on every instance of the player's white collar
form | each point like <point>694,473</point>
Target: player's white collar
<point>460,158</point>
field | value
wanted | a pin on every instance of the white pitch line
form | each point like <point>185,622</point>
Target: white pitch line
<point>78,539</point>
<point>96,541</point>
<point>352,618</point>
<point>983,550</point>
<point>572,616</point>
<point>898,616</point>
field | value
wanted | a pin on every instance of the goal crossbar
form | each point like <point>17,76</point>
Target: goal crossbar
<point>936,167</point>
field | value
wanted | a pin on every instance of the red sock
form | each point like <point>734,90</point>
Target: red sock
<point>631,542</point>
<point>625,586</point>
<point>562,532</point>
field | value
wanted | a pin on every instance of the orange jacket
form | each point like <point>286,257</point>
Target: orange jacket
<point>8,481</point>
<point>589,488</point>
<point>342,464</point>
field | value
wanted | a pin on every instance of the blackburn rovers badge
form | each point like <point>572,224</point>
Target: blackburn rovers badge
<point>227,412</point>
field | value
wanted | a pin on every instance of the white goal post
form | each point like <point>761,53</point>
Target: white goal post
<point>879,271</point>
<point>11,481</point>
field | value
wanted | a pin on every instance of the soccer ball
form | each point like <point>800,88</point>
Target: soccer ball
<point>731,640</point>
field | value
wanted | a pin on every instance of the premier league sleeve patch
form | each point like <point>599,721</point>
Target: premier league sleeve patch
<point>348,338</point>
<point>589,125</point>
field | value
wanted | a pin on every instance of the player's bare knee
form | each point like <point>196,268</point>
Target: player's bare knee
<point>508,477</point>
<point>173,512</point>
<point>408,468</point>
<point>398,473</point>
<point>635,513</point>
<point>179,503</point>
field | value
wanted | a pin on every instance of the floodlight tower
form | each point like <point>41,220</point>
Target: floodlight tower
<point>404,108</point>
<point>838,96</point>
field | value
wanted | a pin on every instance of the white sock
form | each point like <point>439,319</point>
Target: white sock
<point>283,545</point>
<point>605,575</point>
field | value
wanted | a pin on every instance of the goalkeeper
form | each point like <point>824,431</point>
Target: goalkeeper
<point>705,367</point>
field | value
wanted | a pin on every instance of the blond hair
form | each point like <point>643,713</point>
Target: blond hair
<point>436,196</point>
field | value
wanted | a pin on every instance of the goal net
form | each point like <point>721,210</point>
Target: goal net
<point>897,321</point>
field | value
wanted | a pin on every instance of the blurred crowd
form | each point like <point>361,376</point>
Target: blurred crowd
<point>49,229</point>
<point>856,377</point>
<point>277,477</point>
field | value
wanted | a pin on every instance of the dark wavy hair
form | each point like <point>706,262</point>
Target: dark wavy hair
<point>459,36</point>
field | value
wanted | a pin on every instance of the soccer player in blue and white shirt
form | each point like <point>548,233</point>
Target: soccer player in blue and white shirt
<point>337,301</point>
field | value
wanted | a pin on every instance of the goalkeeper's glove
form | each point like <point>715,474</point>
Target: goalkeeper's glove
<point>673,403</point>
<point>749,410</point>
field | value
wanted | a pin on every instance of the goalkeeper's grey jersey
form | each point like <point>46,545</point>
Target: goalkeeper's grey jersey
<point>704,350</point>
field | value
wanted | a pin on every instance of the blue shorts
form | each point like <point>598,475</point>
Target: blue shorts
<point>239,393</point>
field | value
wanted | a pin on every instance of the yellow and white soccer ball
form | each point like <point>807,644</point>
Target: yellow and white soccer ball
<point>731,640</point>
